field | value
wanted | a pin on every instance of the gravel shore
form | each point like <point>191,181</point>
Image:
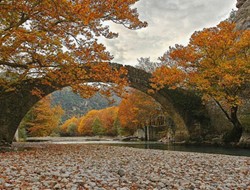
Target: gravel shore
<point>100,167</point>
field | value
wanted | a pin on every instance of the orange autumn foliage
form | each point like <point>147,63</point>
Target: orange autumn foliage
<point>84,127</point>
<point>216,64</point>
<point>106,117</point>
<point>66,125</point>
<point>136,110</point>
<point>43,119</point>
<point>55,41</point>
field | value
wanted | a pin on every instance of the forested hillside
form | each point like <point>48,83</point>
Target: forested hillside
<point>74,105</point>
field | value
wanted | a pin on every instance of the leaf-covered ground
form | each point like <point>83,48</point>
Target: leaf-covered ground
<point>100,167</point>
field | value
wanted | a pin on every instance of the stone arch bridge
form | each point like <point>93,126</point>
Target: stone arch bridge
<point>185,109</point>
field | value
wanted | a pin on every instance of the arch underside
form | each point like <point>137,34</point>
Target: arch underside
<point>183,107</point>
<point>16,104</point>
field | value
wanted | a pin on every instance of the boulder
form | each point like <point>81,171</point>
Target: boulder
<point>243,14</point>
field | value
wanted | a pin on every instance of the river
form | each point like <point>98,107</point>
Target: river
<point>161,146</point>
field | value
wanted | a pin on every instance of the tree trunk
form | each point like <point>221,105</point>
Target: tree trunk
<point>235,134</point>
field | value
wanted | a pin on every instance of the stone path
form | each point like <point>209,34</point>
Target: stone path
<point>100,167</point>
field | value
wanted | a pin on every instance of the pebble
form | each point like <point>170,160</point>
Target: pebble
<point>121,172</point>
<point>102,167</point>
<point>2,181</point>
<point>161,184</point>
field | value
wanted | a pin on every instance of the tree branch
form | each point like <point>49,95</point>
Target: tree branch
<point>15,65</point>
<point>223,110</point>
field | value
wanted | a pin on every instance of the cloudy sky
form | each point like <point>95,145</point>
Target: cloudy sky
<point>169,22</point>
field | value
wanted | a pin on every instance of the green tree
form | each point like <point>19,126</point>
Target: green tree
<point>69,127</point>
<point>97,127</point>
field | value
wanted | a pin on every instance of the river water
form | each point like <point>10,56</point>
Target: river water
<point>161,146</point>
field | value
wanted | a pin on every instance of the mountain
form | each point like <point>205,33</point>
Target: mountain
<point>74,105</point>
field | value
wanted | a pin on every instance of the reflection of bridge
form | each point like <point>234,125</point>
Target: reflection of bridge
<point>184,108</point>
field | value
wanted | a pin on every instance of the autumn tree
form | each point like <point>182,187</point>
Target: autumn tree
<point>108,118</point>
<point>85,123</point>
<point>136,110</point>
<point>97,127</point>
<point>48,44</point>
<point>99,122</point>
<point>69,127</point>
<point>216,64</point>
<point>42,119</point>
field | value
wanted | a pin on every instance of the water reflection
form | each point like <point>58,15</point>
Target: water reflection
<point>189,148</point>
<point>161,146</point>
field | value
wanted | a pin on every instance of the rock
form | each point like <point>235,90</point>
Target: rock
<point>2,181</point>
<point>35,179</point>
<point>115,185</point>
<point>58,186</point>
<point>245,140</point>
<point>240,3</point>
<point>64,180</point>
<point>46,183</point>
<point>165,181</point>
<point>92,184</point>
<point>154,178</point>
<point>66,175</point>
<point>35,188</point>
<point>141,169</point>
<point>161,185</point>
<point>8,185</point>
<point>242,18</point>
<point>121,172</point>
<point>22,173</point>
<point>124,188</point>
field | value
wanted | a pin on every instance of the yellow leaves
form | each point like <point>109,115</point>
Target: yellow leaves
<point>42,119</point>
<point>229,79</point>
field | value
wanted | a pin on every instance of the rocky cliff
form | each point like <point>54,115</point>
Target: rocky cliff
<point>243,14</point>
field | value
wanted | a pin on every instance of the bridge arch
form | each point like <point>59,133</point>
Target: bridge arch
<point>185,109</point>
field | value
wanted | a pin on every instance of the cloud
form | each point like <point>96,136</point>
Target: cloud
<point>170,22</point>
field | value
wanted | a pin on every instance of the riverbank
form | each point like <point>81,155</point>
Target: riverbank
<point>100,167</point>
<point>215,142</point>
<point>67,139</point>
